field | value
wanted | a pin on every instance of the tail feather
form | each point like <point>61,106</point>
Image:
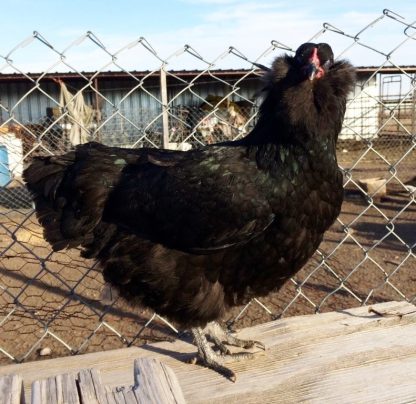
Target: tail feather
<point>43,178</point>
<point>70,192</point>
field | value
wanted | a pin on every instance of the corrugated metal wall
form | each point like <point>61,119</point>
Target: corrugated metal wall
<point>27,101</point>
<point>131,109</point>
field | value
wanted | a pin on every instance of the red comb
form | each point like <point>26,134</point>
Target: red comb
<point>314,57</point>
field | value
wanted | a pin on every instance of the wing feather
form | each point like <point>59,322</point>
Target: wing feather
<point>205,202</point>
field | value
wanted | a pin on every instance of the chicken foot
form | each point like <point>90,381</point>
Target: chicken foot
<point>220,338</point>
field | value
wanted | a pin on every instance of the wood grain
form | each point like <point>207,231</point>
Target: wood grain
<point>10,389</point>
<point>357,355</point>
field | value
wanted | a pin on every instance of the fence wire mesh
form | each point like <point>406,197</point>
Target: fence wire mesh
<point>53,299</point>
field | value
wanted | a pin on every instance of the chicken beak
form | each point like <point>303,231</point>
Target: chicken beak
<point>313,65</point>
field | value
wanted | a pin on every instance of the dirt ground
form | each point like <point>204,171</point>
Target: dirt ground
<point>53,299</point>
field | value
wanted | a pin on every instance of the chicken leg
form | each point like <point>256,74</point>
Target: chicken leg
<point>220,338</point>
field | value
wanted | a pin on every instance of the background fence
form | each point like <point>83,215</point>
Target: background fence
<point>53,299</point>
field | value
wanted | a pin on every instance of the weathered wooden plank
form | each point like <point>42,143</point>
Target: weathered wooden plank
<point>11,388</point>
<point>156,382</point>
<point>354,355</point>
<point>130,397</point>
<point>60,389</point>
<point>118,396</point>
<point>122,395</point>
<point>69,389</point>
<point>38,392</point>
<point>109,396</point>
<point>91,388</point>
<point>51,390</point>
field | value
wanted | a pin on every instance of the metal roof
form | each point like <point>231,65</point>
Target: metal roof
<point>365,70</point>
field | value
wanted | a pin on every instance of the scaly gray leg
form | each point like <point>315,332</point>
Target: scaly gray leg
<point>220,338</point>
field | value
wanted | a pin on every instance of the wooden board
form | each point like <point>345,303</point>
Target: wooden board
<point>91,389</point>
<point>60,389</point>
<point>10,389</point>
<point>354,356</point>
<point>154,382</point>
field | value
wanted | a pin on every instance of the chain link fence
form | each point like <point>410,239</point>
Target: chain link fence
<point>53,299</point>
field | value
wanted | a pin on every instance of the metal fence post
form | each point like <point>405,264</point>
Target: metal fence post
<point>164,99</point>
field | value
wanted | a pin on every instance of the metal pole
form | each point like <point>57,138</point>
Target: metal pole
<point>413,113</point>
<point>97,110</point>
<point>165,115</point>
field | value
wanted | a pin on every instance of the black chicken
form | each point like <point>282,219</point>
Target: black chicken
<point>190,234</point>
